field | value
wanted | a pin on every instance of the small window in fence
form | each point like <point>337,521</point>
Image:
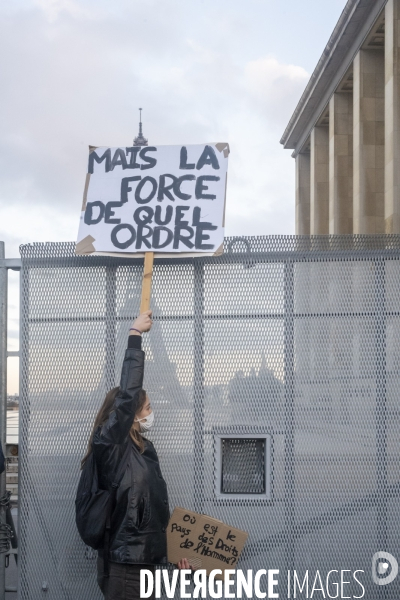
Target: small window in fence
<point>243,466</point>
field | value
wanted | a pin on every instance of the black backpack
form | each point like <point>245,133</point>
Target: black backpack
<point>93,506</point>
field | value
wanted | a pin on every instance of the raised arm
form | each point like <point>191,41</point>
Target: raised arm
<point>116,428</point>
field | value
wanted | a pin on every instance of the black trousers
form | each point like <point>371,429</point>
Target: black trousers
<point>123,582</point>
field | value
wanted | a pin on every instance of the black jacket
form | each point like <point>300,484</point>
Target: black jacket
<point>140,517</point>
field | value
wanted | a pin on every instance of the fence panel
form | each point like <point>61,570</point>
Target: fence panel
<point>274,373</point>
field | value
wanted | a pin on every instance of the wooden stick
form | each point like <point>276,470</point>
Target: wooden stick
<point>146,281</point>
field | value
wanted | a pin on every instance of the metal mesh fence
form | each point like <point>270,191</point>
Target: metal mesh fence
<point>293,338</point>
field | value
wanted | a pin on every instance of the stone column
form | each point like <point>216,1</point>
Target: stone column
<point>319,184</point>
<point>341,163</point>
<point>392,117</point>
<point>368,142</point>
<point>303,194</point>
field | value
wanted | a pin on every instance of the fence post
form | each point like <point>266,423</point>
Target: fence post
<point>111,326</point>
<point>198,386</point>
<point>289,413</point>
<point>3,402</point>
<point>381,411</point>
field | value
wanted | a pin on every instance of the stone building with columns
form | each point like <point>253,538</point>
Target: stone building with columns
<point>345,130</point>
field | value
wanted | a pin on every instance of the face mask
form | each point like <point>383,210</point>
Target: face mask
<point>148,422</point>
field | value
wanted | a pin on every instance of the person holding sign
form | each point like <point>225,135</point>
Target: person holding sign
<point>140,515</point>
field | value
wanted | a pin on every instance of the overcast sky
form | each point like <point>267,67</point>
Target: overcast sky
<point>74,73</point>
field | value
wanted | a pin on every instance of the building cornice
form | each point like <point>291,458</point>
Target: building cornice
<point>352,28</point>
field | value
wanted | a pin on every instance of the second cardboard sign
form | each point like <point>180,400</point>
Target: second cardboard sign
<point>206,542</point>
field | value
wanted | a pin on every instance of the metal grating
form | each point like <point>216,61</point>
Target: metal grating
<point>297,336</point>
<point>243,466</point>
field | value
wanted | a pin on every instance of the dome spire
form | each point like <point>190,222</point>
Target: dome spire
<point>140,140</point>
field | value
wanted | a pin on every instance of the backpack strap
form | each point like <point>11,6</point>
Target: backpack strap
<point>111,504</point>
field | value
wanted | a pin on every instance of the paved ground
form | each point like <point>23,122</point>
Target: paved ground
<point>11,571</point>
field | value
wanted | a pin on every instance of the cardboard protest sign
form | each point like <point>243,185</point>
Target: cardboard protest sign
<point>206,542</point>
<point>162,199</point>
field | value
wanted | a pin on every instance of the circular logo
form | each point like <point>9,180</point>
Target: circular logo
<point>384,568</point>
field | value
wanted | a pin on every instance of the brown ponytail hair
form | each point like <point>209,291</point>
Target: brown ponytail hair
<point>103,415</point>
